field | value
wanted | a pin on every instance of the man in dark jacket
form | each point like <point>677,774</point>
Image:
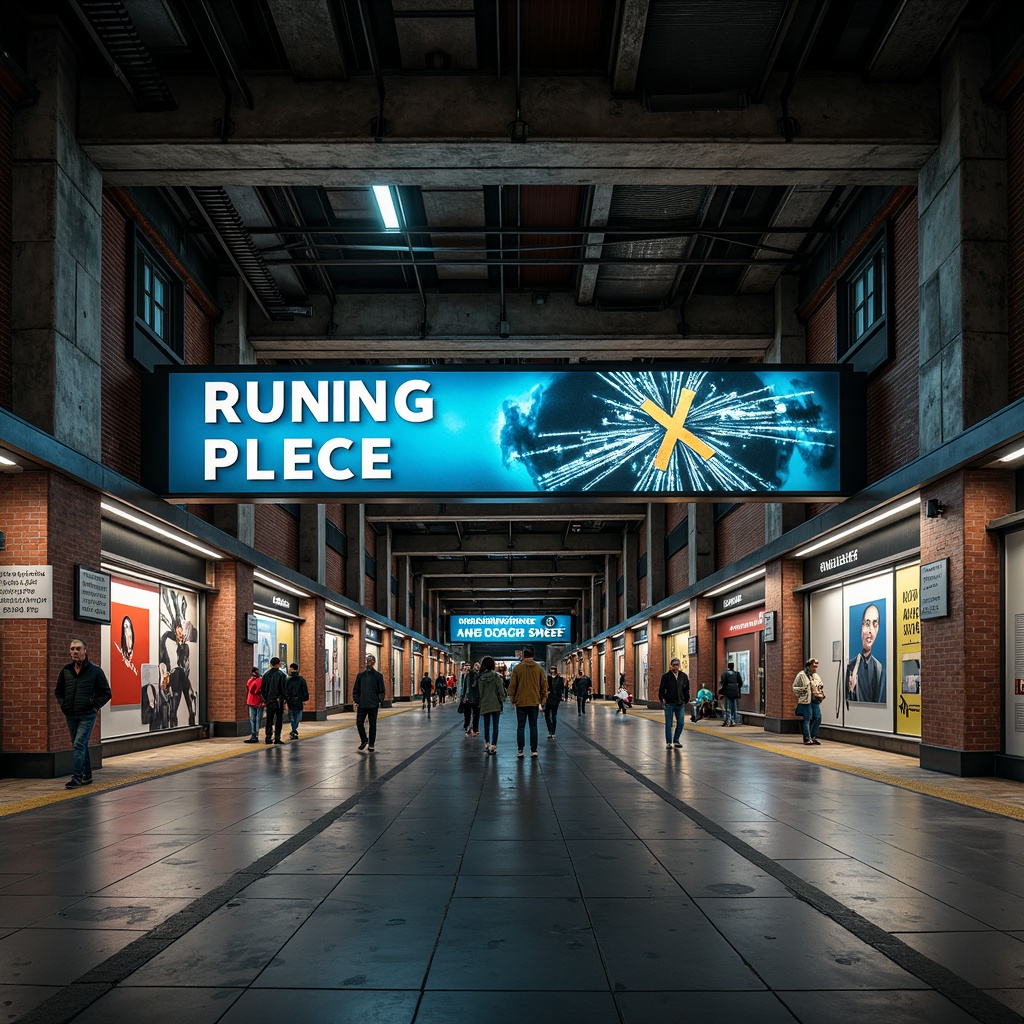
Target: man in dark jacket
<point>556,691</point>
<point>730,685</point>
<point>272,691</point>
<point>82,689</point>
<point>368,696</point>
<point>426,690</point>
<point>296,693</point>
<point>673,693</point>
<point>581,688</point>
<point>441,687</point>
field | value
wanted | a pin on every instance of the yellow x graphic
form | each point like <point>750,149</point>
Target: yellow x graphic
<point>674,429</point>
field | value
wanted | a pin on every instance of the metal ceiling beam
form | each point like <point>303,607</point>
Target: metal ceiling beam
<point>315,133</point>
<point>534,544</point>
<point>309,36</point>
<point>525,569</point>
<point>912,39</point>
<point>520,512</point>
<point>632,24</point>
<point>465,327</point>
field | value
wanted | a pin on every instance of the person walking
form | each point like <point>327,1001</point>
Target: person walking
<point>674,692</point>
<point>527,690</point>
<point>296,693</point>
<point>581,689</point>
<point>622,697</point>
<point>426,692</point>
<point>441,688</point>
<point>730,685</point>
<point>272,692</point>
<point>556,692</point>
<point>254,702</point>
<point>368,696</point>
<point>469,699</point>
<point>81,690</point>
<point>810,692</point>
<point>492,697</point>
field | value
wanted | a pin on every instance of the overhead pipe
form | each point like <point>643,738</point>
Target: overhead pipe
<point>519,130</point>
<point>424,325</point>
<point>789,126</point>
<point>379,124</point>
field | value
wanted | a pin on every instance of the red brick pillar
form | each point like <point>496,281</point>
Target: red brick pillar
<point>702,664</point>
<point>784,657</point>
<point>655,661</point>
<point>961,673</point>
<point>311,655</point>
<point>48,520</point>
<point>229,659</point>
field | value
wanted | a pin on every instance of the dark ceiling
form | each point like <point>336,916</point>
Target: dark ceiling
<point>328,280</point>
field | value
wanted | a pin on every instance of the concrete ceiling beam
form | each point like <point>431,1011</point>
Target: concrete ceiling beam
<point>308,34</point>
<point>538,545</point>
<point>913,38</point>
<point>451,131</point>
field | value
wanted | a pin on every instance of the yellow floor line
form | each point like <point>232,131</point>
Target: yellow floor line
<point>46,799</point>
<point>1007,810</point>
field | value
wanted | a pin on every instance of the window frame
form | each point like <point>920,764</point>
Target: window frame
<point>146,345</point>
<point>873,348</point>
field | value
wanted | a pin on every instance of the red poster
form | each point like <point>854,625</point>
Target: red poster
<point>129,650</point>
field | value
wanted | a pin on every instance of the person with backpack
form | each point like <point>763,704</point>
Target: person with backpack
<point>272,692</point>
<point>730,685</point>
<point>296,693</point>
<point>469,699</point>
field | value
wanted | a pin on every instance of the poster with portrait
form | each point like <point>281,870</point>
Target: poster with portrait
<point>266,643</point>
<point>865,676</point>
<point>178,654</point>
<point>129,643</point>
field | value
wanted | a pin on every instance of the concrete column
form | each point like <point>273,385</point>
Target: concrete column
<point>57,258</point>
<point>655,524</point>
<point>784,656</point>
<point>355,560</point>
<point>404,579</point>
<point>313,542</point>
<point>630,580</point>
<point>788,346</point>
<point>962,210</point>
<point>382,592</point>
<point>609,592</point>
<point>231,348</point>
<point>700,525</point>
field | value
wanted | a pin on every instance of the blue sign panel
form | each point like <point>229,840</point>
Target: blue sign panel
<point>539,628</point>
<point>328,433</point>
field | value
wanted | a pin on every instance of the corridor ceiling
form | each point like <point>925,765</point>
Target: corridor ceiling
<point>575,180</point>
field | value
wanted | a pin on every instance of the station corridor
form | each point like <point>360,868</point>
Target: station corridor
<point>607,880</point>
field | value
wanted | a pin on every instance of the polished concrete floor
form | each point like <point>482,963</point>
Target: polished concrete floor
<point>607,880</point>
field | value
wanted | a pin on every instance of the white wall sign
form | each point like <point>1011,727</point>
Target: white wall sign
<point>92,595</point>
<point>26,591</point>
<point>935,589</point>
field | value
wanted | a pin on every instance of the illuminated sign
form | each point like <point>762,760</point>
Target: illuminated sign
<point>330,433</point>
<point>541,628</point>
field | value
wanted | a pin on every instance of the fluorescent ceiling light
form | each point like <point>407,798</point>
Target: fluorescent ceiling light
<point>277,583</point>
<point>732,584</point>
<point>386,205</point>
<point>375,625</point>
<point>159,531</point>
<point>834,538</point>
<point>1012,457</point>
<point>10,462</point>
<point>338,610</point>
<point>674,611</point>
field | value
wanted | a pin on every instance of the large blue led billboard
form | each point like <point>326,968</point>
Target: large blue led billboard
<point>287,433</point>
<point>511,626</point>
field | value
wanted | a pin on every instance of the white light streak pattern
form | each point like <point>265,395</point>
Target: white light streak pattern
<point>725,421</point>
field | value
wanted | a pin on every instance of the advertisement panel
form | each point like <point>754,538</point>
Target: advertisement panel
<point>908,650</point>
<point>540,628</point>
<point>495,431</point>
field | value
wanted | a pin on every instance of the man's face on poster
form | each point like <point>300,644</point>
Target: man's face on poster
<point>869,629</point>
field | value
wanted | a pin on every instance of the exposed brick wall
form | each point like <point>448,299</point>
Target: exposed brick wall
<point>738,533</point>
<point>960,654</point>
<point>370,542</point>
<point>228,658</point>
<point>311,651</point>
<point>783,658</point>
<point>121,377</point>
<point>892,411</point>
<point>6,193</point>
<point>277,535</point>
<point>335,571</point>
<point>204,512</point>
<point>1015,243</point>
<point>821,332</point>
<point>122,394</point>
<point>677,571</point>
<point>37,509</point>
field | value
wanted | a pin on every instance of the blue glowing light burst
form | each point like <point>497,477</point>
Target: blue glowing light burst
<point>753,435</point>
